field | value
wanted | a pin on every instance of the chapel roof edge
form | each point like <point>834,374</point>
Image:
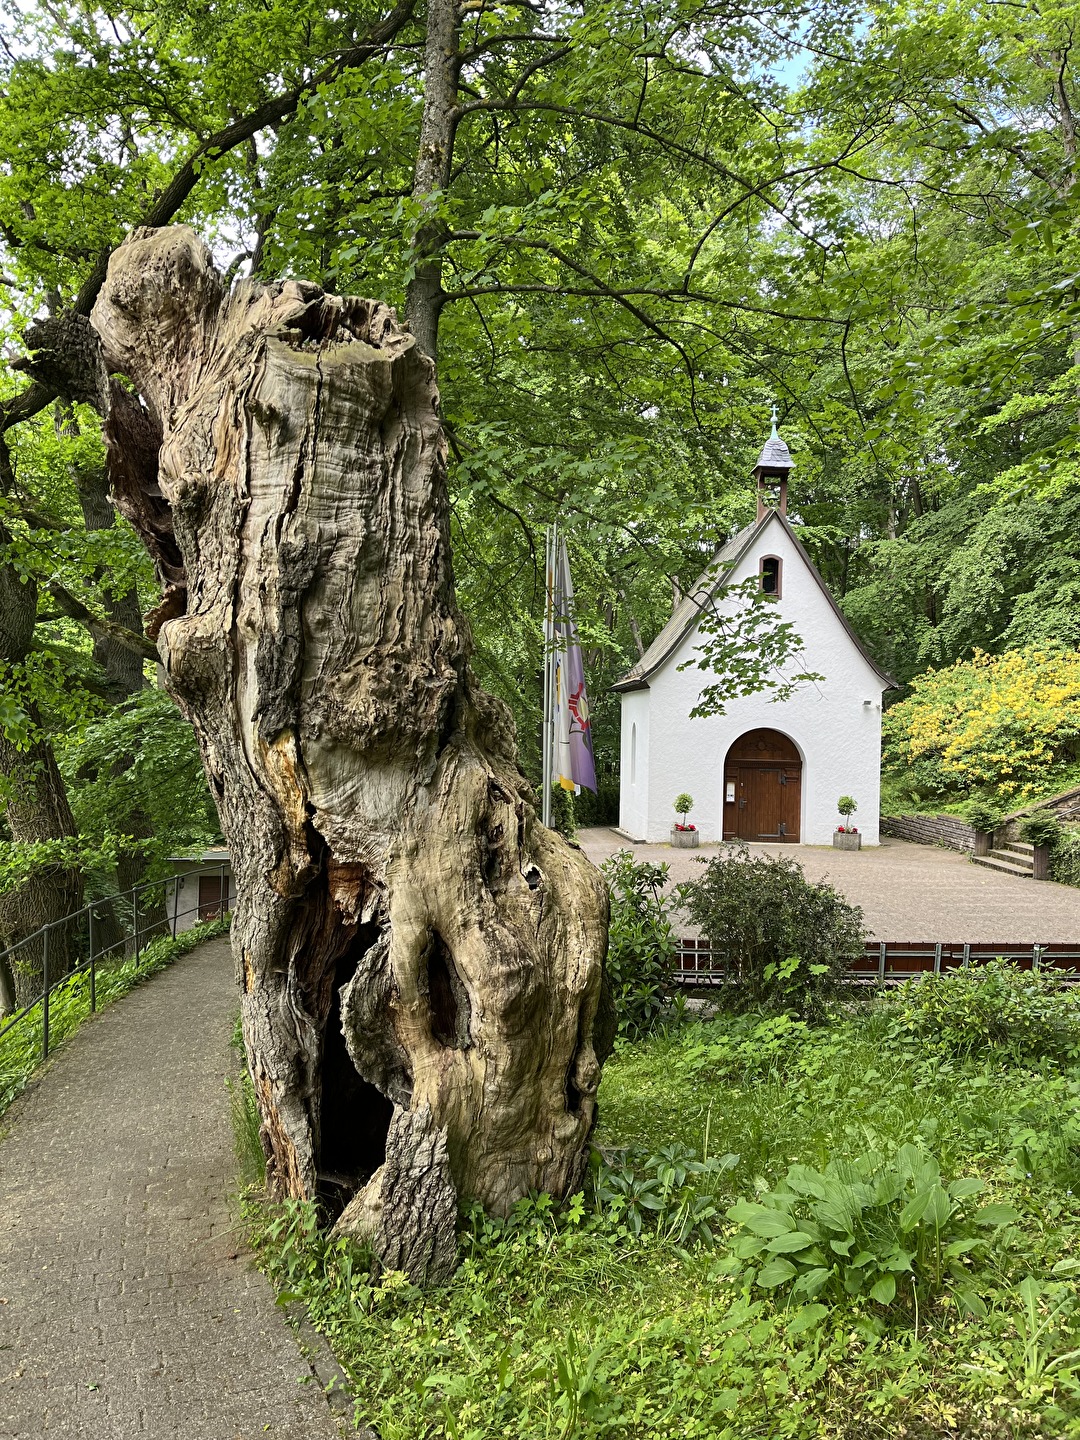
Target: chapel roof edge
<point>712,580</point>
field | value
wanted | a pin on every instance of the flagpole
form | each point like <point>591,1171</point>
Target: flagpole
<point>549,686</point>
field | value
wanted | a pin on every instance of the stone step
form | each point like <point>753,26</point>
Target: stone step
<point>1020,870</point>
<point>1011,857</point>
<point>1018,847</point>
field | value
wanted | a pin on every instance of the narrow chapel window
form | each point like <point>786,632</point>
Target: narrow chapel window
<point>770,575</point>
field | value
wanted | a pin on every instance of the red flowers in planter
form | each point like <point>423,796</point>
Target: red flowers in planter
<point>685,827</point>
<point>847,829</point>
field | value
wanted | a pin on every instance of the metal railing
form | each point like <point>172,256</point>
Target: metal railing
<point>82,933</point>
<point>890,962</point>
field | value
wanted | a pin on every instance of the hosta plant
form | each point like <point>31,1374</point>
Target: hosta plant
<point>873,1228</point>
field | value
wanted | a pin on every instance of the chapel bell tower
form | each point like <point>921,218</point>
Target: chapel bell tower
<point>771,473</point>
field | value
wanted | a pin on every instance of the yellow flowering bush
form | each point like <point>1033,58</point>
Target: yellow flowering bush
<point>1009,722</point>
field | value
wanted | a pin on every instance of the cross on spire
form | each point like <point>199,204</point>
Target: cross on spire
<point>771,473</point>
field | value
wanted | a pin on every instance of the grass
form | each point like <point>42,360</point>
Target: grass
<point>589,1323</point>
<point>69,1005</point>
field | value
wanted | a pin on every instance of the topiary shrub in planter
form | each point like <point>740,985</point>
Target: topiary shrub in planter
<point>1041,831</point>
<point>641,942</point>
<point>846,835</point>
<point>788,942</point>
<point>683,834</point>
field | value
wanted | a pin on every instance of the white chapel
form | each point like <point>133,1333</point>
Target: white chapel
<point>763,770</point>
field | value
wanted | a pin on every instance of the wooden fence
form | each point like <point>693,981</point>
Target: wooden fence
<point>891,962</point>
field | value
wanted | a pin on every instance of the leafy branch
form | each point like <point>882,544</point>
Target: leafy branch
<point>745,650</point>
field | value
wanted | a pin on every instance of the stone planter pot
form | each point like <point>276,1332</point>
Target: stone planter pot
<point>1040,862</point>
<point>843,841</point>
<point>984,842</point>
<point>684,839</point>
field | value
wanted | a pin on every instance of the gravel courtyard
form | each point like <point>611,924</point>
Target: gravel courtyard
<point>907,892</point>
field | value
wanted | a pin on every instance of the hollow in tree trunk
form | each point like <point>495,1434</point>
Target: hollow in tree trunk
<point>420,960</point>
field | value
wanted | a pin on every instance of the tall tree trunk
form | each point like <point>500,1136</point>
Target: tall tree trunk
<point>420,960</point>
<point>36,809</point>
<point>124,677</point>
<point>424,293</point>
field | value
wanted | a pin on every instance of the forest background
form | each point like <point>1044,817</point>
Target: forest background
<point>654,221</point>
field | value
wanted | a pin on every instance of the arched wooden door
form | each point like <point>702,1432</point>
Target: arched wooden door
<point>762,788</point>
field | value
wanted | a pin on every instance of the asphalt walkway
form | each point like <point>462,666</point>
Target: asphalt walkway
<point>907,892</point>
<point>127,1305</point>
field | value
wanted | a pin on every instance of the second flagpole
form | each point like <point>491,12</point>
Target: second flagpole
<point>549,674</point>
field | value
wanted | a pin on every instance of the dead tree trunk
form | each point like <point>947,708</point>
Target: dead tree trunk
<point>420,960</point>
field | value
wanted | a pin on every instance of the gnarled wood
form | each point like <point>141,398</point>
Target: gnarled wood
<point>420,959</point>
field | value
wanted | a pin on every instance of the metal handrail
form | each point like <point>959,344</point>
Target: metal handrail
<point>700,964</point>
<point>137,933</point>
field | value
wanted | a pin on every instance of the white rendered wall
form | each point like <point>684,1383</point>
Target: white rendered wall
<point>182,899</point>
<point>634,764</point>
<point>838,736</point>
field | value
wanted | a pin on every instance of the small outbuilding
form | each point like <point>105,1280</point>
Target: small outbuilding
<point>202,889</point>
<point>764,770</point>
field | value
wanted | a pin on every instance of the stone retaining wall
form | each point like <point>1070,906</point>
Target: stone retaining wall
<point>947,830</point>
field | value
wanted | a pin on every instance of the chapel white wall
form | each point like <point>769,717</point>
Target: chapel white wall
<point>838,736</point>
<point>634,764</point>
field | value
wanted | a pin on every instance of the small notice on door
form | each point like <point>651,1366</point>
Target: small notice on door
<point>730,795</point>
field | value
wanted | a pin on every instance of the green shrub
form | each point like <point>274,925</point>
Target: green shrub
<point>641,942</point>
<point>1065,857</point>
<point>870,1227</point>
<point>672,1195</point>
<point>563,818</point>
<point>745,1047</point>
<point>1042,828</point>
<point>673,1192</point>
<point>1020,1015</point>
<point>983,816</point>
<point>787,941</point>
<point>601,808</point>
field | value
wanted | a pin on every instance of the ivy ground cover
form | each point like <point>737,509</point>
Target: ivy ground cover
<point>868,1227</point>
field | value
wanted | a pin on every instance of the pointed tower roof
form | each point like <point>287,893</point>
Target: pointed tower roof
<point>774,453</point>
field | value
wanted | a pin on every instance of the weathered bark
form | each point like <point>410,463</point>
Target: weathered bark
<point>420,960</point>
<point>36,809</point>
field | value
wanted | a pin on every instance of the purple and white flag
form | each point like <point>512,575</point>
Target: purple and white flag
<point>573,759</point>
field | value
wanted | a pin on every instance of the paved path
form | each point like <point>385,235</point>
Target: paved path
<point>907,892</point>
<point>125,1309</point>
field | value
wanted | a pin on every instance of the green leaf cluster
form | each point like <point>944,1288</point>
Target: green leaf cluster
<point>873,1226</point>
